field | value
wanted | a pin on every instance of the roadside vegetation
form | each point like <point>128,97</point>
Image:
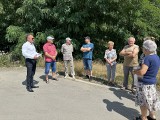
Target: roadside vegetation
<point>99,69</point>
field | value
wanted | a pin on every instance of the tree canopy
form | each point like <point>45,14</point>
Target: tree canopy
<point>102,20</point>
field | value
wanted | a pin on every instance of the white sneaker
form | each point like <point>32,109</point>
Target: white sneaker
<point>73,77</point>
<point>66,76</point>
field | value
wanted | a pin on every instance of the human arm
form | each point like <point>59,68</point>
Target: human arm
<point>142,71</point>
<point>144,68</point>
<point>85,49</point>
<point>72,49</point>
<point>124,53</point>
<point>134,53</point>
<point>45,49</point>
<point>106,57</point>
<point>88,48</point>
<point>62,49</point>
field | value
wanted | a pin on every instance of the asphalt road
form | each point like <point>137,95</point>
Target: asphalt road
<point>61,100</point>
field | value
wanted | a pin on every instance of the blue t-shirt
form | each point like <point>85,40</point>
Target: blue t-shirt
<point>89,54</point>
<point>153,63</point>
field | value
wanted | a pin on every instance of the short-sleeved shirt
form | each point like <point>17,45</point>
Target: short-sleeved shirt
<point>110,54</point>
<point>153,63</point>
<point>51,50</point>
<point>129,61</point>
<point>67,51</point>
<point>88,54</point>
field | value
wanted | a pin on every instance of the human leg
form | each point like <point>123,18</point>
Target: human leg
<point>72,67</point>
<point>29,78</point>
<point>53,66</point>
<point>47,69</point>
<point>134,78</point>
<point>66,67</point>
<point>85,66</point>
<point>113,72</point>
<point>126,74</point>
<point>143,112</point>
<point>108,72</point>
<point>33,71</point>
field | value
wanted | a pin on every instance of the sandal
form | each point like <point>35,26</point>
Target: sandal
<point>149,118</point>
<point>47,81</point>
<point>54,78</point>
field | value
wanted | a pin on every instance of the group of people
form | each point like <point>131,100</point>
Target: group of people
<point>50,53</point>
<point>143,72</point>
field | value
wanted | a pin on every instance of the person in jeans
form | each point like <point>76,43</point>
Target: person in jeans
<point>30,54</point>
<point>130,53</point>
<point>67,50</point>
<point>50,58</point>
<point>110,57</point>
<point>146,94</point>
<point>87,50</point>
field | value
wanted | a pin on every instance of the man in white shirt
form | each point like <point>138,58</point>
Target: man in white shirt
<point>30,54</point>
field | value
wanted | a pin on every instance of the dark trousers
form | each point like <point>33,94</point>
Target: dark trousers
<point>31,68</point>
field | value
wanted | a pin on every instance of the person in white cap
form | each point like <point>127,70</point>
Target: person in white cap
<point>67,50</point>
<point>50,58</point>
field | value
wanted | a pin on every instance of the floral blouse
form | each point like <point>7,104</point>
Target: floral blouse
<point>110,54</point>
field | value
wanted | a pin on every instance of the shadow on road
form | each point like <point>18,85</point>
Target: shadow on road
<point>34,82</point>
<point>43,77</point>
<point>122,94</point>
<point>118,107</point>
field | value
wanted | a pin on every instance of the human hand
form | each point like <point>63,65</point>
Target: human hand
<point>134,72</point>
<point>109,62</point>
<point>35,57</point>
<point>53,57</point>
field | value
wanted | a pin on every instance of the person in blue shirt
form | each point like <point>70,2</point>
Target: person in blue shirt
<point>146,95</point>
<point>87,50</point>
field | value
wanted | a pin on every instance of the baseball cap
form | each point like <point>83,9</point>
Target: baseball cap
<point>68,38</point>
<point>50,38</point>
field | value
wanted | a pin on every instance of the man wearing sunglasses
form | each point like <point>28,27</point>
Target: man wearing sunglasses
<point>30,54</point>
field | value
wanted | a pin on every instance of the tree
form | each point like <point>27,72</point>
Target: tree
<point>102,20</point>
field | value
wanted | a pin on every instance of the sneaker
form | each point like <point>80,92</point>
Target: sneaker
<point>54,78</point>
<point>86,77</point>
<point>112,84</point>
<point>90,78</point>
<point>73,77</point>
<point>124,88</point>
<point>66,76</point>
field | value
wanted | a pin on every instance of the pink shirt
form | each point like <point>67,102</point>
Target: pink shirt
<point>51,50</point>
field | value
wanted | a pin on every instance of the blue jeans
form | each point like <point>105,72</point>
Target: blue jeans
<point>48,65</point>
<point>87,64</point>
<point>111,71</point>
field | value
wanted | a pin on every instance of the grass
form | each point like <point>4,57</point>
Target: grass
<point>99,69</point>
